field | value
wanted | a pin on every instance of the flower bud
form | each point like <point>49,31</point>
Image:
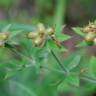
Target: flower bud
<point>50,31</point>
<point>42,34</point>
<point>91,27</point>
<point>32,35</point>
<point>90,36</point>
<point>86,29</point>
<point>4,35</point>
<point>41,27</point>
<point>38,42</point>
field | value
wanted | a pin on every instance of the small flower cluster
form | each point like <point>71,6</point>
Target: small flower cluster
<point>3,38</point>
<point>41,35</point>
<point>90,31</point>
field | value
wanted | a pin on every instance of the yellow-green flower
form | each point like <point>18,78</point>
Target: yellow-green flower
<point>3,37</point>
<point>42,35</point>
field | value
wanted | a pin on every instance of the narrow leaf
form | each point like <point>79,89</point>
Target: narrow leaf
<point>6,28</point>
<point>89,79</point>
<point>63,37</point>
<point>74,63</point>
<point>82,44</point>
<point>78,31</point>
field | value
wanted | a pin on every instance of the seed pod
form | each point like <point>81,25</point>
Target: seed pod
<point>41,27</point>
<point>50,31</point>
<point>32,35</point>
<point>90,36</point>
<point>39,42</point>
<point>4,35</point>
<point>85,29</point>
<point>91,27</point>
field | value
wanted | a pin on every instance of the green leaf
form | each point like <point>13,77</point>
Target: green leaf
<point>70,83</point>
<point>63,87</point>
<point>15,33</point>
<point>74,63</point>
<point>63,37</point>
<point>6,28</point>
<point>82,44</point>
<point>95,22</point>
<point>51,45</point>
<point>59,29</point>
<point>16,26</point>
<point>92,66</point>
<point>78,31</point>
<point>73,80</point>
<point>10,74</point>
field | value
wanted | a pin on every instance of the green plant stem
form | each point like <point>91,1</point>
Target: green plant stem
<point>88,79</point>
<point>27,58</point>
<point>53,70</point>
<point>59,14</point>
<point>60,64</point>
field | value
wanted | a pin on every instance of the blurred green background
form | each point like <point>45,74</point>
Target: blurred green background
<point>73,12</point>
<point>31,82</point>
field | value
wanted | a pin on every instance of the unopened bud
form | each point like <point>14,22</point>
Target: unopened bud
<point>41,27</point>
<point>50,31</point>
<point>38,42</point>
<point>90,36</point>
<point>85,30</point>
<point>32,35</point>
<point>4,35</point>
